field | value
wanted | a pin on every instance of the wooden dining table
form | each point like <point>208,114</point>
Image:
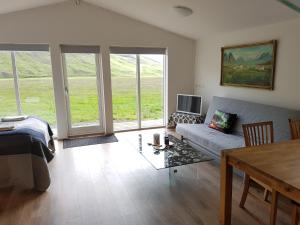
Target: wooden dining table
<point>277,165</point>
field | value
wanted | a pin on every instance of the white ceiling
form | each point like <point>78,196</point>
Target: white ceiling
<point>7,6</point>
<point>210,16</point>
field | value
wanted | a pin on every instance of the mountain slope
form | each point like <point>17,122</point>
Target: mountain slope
<point>37,64</point>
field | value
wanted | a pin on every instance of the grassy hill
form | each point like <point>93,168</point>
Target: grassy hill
<point>37,64</point>
<point>36,91</point>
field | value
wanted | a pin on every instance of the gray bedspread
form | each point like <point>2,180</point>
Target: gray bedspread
<point>24,154</point>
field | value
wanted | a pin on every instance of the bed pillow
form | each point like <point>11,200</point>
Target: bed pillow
<point>223,121</point>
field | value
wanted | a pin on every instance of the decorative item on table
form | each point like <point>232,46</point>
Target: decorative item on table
<point>163,147</point>
<point>156,139</point>
<point>167,141</point>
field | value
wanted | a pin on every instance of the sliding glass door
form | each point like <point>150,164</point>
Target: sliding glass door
<point>138,87</point>
<point>124,94</point>
<point>83,89</point>
<point>152,90</point>
<point>26,86</point>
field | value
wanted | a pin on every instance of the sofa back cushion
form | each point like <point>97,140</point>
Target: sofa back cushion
<point>250,112</point>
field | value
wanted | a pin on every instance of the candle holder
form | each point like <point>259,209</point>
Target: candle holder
<point>156,139</point>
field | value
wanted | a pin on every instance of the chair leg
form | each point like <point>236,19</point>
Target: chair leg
<point>294,214</point>
<point>245,190</point>
<point>266,195</point>
<point>273,213</point>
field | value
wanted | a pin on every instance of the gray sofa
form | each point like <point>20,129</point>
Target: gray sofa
<point>202,137</point>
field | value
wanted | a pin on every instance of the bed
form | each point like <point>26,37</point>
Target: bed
<point>25,152</point>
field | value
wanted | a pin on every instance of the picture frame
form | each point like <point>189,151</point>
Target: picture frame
<point>249,65</point>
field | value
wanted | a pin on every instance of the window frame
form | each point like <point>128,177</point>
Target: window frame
<point>138,51</point>
<point>81,49</point>
<point>12,49</point>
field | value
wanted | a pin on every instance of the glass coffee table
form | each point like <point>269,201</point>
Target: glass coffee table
<point>178,155</point>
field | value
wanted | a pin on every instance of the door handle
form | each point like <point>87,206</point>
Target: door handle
<point>66,91</point>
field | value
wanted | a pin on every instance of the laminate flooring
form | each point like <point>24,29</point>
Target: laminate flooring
<point>112,184</point>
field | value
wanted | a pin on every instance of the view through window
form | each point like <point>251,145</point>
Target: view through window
<point>8,104</point>
<point>124,94</point>
<point>152,90</point>
<point>82,89</point>
<point>83,86</point>
<point>26,85</point>
<point>137,90</point>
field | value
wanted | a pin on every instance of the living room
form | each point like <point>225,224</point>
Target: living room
<point>94,85</point>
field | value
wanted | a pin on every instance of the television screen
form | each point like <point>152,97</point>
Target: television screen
<point>189,104</point>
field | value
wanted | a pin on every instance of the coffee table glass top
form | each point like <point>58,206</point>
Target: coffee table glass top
<point>179,154</point>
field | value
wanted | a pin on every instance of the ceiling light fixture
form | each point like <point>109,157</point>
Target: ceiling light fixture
<point>183,10</point>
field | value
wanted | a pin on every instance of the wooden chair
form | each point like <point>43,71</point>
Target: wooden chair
<point>295,128</point>
<point>295,213</point>
<point>259,134</point>
<point>295,134</point>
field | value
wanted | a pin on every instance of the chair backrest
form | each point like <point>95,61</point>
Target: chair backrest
<point>258,133</point>
<point>295,128</point>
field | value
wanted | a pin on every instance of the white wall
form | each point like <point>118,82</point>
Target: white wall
<point>65,23</point>
<point>287,75</point>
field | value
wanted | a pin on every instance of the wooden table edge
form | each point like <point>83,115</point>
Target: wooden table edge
<point>227,163</point>
<point>277,184</point>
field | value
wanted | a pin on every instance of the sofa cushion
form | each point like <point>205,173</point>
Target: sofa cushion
<point>211,140</point>
<point>250,112</point>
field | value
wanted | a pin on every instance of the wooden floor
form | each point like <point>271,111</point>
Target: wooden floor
<point>112,184</point>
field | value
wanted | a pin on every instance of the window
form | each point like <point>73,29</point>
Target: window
<point>26,81</point>
<point>8,104</point>
<point>124,91</point>
<point>138,87</point>
<point>83,85</point>
<point>152,90</point>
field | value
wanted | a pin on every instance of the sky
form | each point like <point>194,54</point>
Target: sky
<point>158,58</point>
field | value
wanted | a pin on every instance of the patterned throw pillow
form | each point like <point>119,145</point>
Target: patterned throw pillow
<point>223,121</point>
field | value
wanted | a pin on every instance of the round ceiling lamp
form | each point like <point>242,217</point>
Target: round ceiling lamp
<point>183,10</point>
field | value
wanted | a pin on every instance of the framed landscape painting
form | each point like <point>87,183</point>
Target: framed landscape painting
<point>251,65</point>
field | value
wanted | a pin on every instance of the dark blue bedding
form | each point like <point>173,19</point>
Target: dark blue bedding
<point>31,135</point>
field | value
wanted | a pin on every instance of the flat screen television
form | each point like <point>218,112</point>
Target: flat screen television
<point>189,104</point>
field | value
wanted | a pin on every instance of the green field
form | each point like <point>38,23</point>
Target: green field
<point>37,98</point>
<point>36,88</point>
